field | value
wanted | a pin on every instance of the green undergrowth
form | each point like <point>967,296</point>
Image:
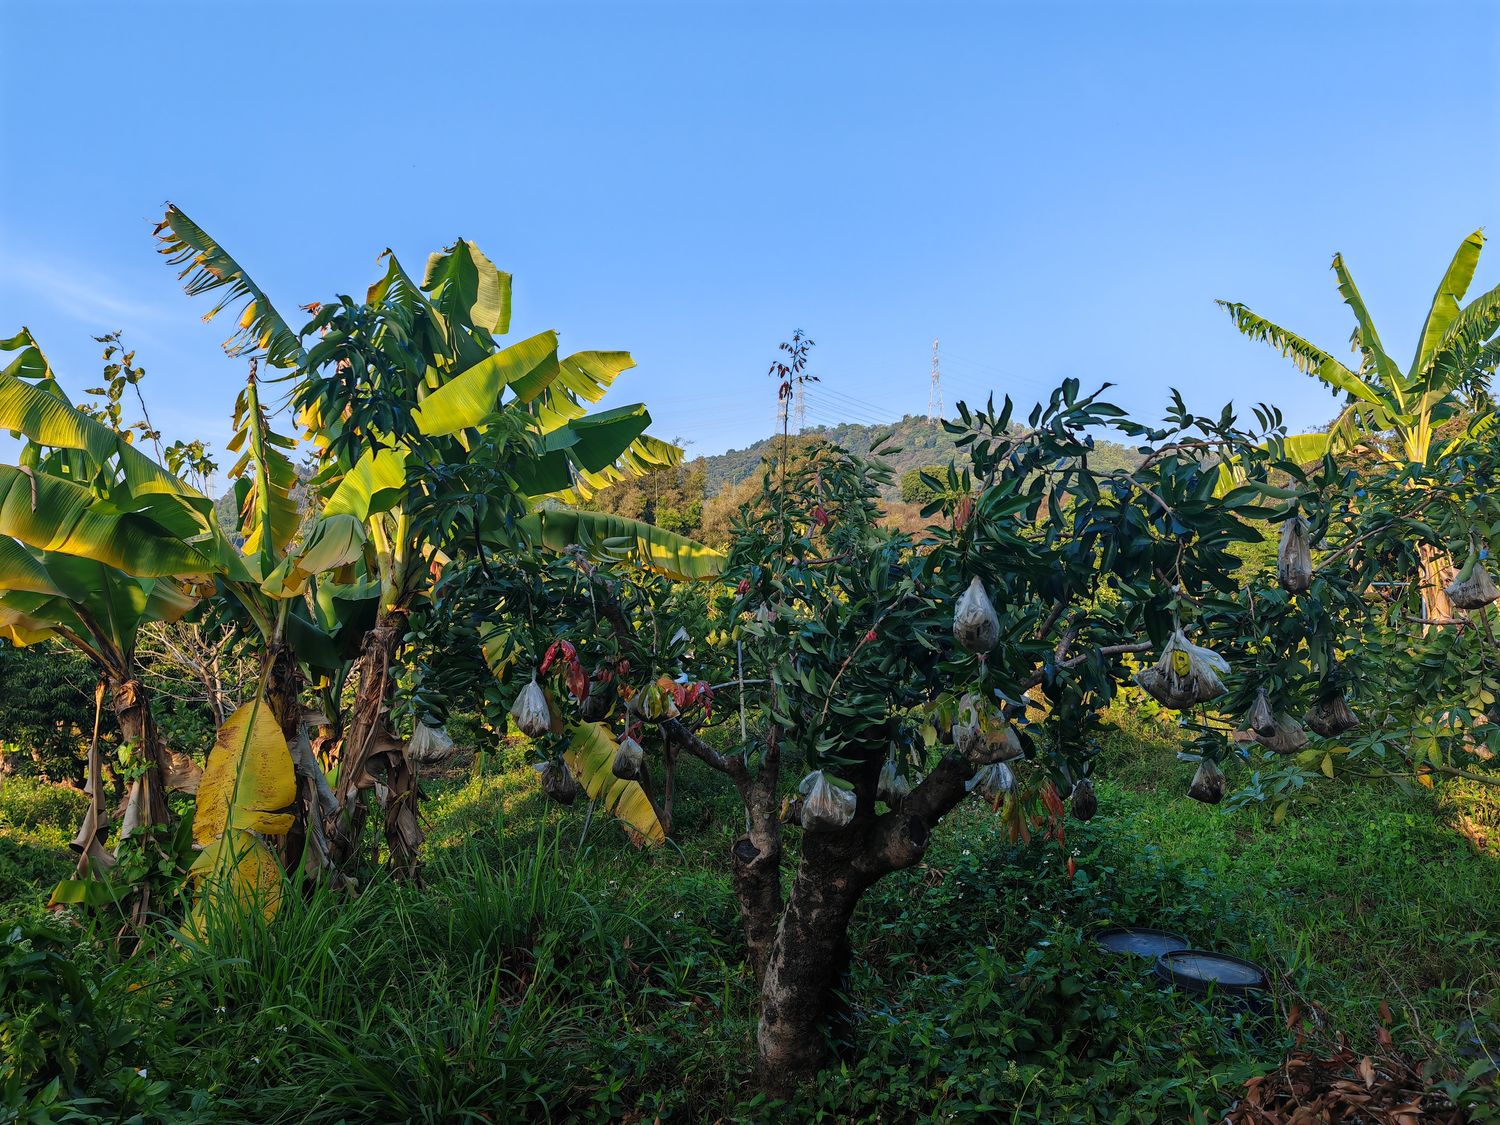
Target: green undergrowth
<point>547,970</point>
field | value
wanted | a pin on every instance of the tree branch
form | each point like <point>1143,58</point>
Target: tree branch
<point>678,733</point>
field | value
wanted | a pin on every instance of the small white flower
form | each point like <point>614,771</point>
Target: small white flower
<point>676,915</point>
<point>255,1059</point>
<point>142,1072</point>
<point>281,1027</point>
<point>220,1010</point>
<point>966,851</point>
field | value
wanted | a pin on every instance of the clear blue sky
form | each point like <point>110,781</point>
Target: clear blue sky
<point>1053,190</point>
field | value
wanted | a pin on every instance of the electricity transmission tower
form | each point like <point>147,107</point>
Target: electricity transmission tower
<point>799,409</point>
<point>935,395</point>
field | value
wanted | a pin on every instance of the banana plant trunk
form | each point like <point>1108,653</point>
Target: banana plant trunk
<point>369,750</point>
<point>147,801</point>
<point>1436,572</point>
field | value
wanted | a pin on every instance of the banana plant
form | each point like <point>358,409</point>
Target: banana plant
<point>281,580</point>
<point>96,539</point>
<point>1398,414</point>
<point>433,438</point>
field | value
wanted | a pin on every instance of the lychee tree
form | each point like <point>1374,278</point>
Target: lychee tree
<point>854,711</point>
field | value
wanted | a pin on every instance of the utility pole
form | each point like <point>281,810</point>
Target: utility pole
<point>935,395</point>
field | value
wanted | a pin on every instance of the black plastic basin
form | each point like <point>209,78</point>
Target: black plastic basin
<point>1140,940</point>
<point>1202,971</point>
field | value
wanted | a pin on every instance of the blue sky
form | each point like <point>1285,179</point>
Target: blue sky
<point>1054,190</point>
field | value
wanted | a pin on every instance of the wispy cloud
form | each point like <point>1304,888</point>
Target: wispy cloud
<point>80,291</point>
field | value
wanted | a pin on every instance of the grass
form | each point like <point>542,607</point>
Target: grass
<point>544,973</point>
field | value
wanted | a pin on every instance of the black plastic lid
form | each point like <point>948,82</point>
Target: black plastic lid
<point>1140,940</point>
<point>1200,970</point>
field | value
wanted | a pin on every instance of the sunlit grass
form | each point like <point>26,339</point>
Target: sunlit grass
<point>547,969</point>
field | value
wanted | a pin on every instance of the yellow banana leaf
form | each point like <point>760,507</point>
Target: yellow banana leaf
<point>249,778</point>
<point>591,755</point>
<point>626,540</point>
<point>239,867</point>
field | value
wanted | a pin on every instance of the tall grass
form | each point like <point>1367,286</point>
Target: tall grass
<point>548,971</point>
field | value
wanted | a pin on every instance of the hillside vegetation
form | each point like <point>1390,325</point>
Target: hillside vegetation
<point>702,497</point>
<point>915,443</point>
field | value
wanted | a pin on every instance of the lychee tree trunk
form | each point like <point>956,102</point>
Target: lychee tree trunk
<point>756,862</point>
<point>810,957</point>
<point>808,961</point>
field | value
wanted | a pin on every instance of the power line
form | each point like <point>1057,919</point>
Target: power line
<point>860,403</point>
<point>838,410</point>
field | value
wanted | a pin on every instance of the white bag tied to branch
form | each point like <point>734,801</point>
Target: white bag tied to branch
<point>429,744</point>
<point>1294,567</point>
<point>976,628</point>
<point>993,782</point>
<point>825,806</point>
<point>628,759</point>
<point>1261,720</point>
<point>981,733</point>
<point>530,710</point>
<point>1287,738</point>
<point>1472,587</point>
<point>1208,783</point>
<point>893,787</point>
<point>1184,675</point>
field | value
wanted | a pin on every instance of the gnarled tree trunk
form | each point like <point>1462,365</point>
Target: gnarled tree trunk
<point>808,961</point>
<point>811,953</point>
<point>756,859</point>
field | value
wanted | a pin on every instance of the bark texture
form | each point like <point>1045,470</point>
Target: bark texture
<point>811,952</point>
<point>756,862</point>
<point>283,692</point>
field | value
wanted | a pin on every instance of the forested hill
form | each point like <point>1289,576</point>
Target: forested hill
<point>920,443</point>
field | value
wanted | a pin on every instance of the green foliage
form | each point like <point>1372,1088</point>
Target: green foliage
<point>914,490</point>
<point>47,710</point>
<point>65,1036</point>
<point>120,371</point>
<point>531,974</point>
<point>670,497</point>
